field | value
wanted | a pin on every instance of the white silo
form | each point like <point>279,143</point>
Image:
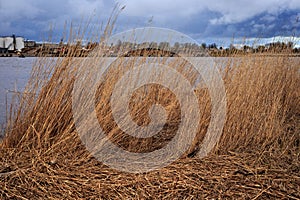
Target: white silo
<point>9,43</point>
<point>2,42</point>
<point>19,43</point>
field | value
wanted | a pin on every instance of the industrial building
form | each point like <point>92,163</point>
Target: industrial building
<point>11,44</point>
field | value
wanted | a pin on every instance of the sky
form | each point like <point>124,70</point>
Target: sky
<point>219,21</point>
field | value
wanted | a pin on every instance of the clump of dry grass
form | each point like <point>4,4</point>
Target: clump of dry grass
<point>257,156</point>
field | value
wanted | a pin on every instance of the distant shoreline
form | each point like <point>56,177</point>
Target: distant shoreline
<point>212,54</point>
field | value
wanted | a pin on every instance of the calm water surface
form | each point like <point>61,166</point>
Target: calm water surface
<point>14,74</point>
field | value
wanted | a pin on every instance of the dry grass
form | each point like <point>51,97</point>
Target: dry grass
<point>257,157</point>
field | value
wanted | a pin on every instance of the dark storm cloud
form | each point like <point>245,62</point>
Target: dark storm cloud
<point>33,18</point>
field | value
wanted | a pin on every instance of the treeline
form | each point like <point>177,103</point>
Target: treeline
<point>213,49</point>
<point>157,49</point>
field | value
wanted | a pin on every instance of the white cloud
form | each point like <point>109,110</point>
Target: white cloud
<point>232,11</point>
<point>268,18</point>
<point>237,11</point>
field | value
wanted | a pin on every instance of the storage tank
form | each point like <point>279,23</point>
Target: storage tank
<point>2,42</point>
<point>19,43</point>
<point>9,43</point>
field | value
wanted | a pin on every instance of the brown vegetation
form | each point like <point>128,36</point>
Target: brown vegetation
<point>257,156</point>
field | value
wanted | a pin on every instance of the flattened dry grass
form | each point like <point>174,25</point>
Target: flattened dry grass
<point>257,156</point>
